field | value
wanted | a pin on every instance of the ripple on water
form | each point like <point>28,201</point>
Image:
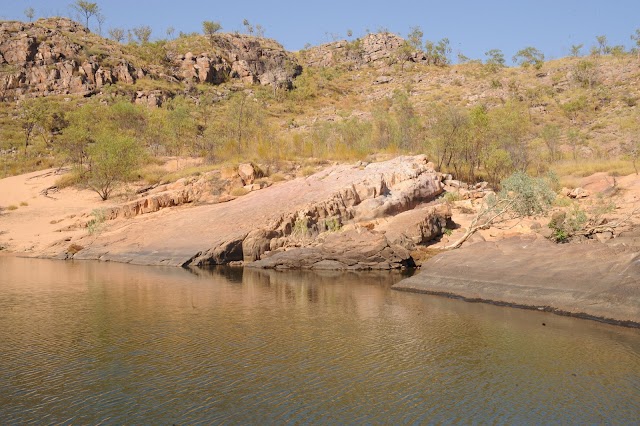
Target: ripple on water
<point>107,343</point>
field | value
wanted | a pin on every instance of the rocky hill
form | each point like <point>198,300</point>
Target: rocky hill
<point>57,56</point>
<point>341,100</point>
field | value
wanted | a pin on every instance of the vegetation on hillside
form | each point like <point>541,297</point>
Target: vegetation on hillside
<point>478,121</point>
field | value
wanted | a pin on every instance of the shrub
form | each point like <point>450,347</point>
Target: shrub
<point>95,225</point>
<point>239,192</point>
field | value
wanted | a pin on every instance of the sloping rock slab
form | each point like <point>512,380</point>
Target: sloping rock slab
<point>215,234</point>
<point>589,280</point>
<point>358,249</point>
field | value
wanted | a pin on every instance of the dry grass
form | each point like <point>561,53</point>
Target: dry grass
<point>584,168</point>
<point>153,173</point>
<point>72,178</point>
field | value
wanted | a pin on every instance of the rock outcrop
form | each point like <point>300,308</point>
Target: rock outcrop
<point>376,50</point>
<point>590,280</point>
<point>383,244</point>
<point>57,56</point>
<point>266,220</point>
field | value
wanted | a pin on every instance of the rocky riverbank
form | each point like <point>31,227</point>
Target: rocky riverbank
<point>589,280</point>
<point>343,206</point>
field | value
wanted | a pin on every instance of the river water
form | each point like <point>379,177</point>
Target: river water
<point>100,343</point>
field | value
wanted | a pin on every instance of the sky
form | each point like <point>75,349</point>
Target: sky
<point>472,26</point>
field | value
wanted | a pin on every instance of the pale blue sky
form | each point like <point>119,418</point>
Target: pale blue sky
<point>472,26</point>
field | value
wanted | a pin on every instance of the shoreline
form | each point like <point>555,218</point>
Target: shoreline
<point>506,304</point>
<point>408,285</point>
<point>589,280</point>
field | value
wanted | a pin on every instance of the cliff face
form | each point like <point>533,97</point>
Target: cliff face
<point>58,56</point>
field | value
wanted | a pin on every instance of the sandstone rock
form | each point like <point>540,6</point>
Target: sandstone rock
<point>46,57</point>
<point>359,249</point>
<point>383,79</point>
<point>415,227</point>
<point>214,234</point>
<point>373,49</point>
<point>578,193</point>
<point>604,236</point>
<point>247,173</point>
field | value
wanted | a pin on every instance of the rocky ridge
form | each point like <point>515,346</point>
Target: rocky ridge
<point>377,50</point>
<point>57,56</point>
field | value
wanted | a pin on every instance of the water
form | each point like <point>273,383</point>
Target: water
<point>96,343</point>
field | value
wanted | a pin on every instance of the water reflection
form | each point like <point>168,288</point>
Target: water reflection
<point>91,342</point>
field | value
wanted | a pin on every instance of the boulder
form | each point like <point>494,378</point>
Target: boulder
<point>357,249</point>
<point>247,173</point>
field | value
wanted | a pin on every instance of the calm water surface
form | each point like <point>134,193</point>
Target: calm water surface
<point>89,343</point>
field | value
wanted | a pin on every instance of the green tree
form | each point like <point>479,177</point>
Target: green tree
<point>438,53</point>
<point>636,37</point>
<point>551,136</point>
<point>632,150</point>
<point>86,10</point>
<point>414,38</point>
<point>30,113</point>
<point>575,50</point>
<point>247,26</point>
<point>585,73</point>
<point>210,28</point>
<point>80,133</point>
<point>509,127</point>
<point>529,56</point>
<point>114,159</point>
<point>143,33</point>
<point>603,45</point>
<point>495,59</point>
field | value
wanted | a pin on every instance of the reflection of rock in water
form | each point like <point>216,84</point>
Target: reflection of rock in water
<point>359,291</point>
<point>231,273</point>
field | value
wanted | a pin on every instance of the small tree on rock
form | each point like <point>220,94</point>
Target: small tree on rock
<point>210,28</point>
<point>529,56</point>
<point>86,10</point>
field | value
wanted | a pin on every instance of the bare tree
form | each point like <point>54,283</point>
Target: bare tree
<point>143,33</point>
<point>116,34</point>
<point>101,19</point>
<point>30,13</point>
